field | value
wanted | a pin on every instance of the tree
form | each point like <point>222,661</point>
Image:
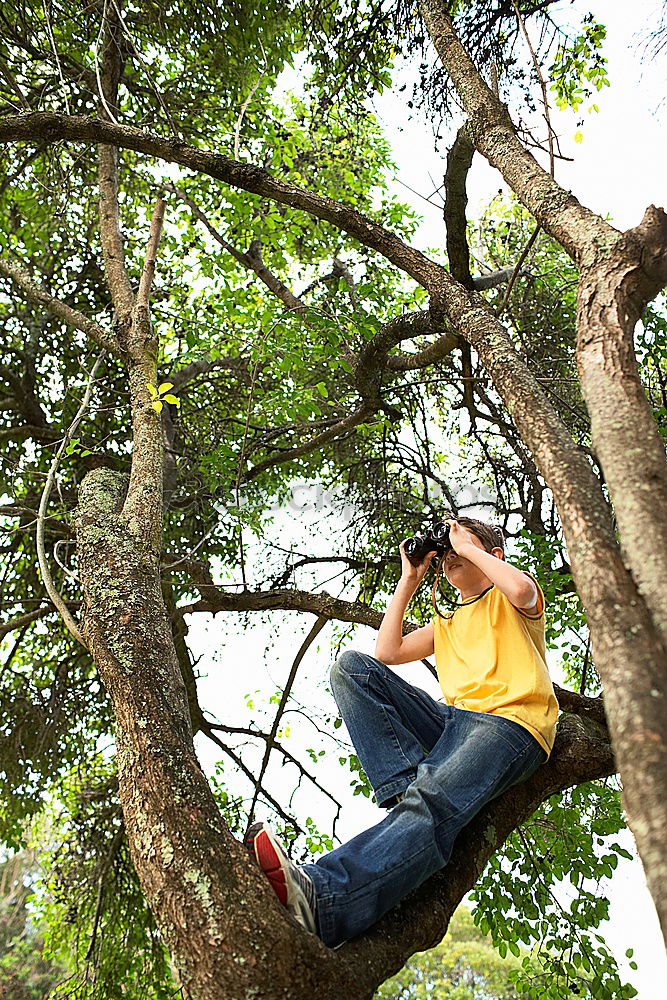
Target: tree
<point>314,382</point>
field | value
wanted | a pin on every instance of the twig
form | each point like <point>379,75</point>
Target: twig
<point>115,844</point>
<point>239,121</point>
<point>52,42</point>
<point>515,273</point>
<point>27,619</point>
<point>312,635</point>
<point>543,85</point>
<point>11,80</point>
<point>100,88</point>
<point>64,568</point>
<point>41,514</point>
<point>208,731</point>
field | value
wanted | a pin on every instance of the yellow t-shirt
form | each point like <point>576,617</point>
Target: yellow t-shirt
<point>491,657</point>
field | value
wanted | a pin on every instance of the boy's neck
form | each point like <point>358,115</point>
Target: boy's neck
<point>466,593</point>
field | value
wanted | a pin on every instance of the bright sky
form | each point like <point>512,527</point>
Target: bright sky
<point>618,170</point>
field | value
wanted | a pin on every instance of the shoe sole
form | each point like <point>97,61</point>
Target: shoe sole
<point>270,858</point>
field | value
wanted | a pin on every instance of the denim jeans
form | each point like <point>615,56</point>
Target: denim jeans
<point>447,762</point>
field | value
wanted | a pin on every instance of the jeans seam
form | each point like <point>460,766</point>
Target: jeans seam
<point>388,871</point>
<point>397,743</point>
<point>393,788</point>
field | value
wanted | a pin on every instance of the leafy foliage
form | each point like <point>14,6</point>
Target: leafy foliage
<point>520,895</point>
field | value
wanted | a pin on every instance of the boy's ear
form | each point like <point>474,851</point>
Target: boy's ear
<point>498,553</point>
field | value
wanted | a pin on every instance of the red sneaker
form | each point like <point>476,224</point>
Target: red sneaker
<point>292,886</point>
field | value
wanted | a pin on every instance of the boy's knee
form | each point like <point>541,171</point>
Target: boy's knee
<point>350,664</point>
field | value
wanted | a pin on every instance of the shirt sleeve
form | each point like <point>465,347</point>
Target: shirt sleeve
<point>539,614</point>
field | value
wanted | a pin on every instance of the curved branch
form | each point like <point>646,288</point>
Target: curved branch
<point>51,590</point>
<point>50,127</point>
<point>459,159</point>
<point>72,317</point>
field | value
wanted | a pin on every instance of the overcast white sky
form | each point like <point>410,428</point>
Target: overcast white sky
<point>619,169</point>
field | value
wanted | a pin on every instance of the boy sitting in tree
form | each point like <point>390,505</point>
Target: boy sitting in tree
<point>432,765</point>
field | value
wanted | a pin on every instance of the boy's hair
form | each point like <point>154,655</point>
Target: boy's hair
<point>490,535</point>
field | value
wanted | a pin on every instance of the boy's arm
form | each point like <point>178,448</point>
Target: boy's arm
<point>391,646</point>
<point>516,585</point>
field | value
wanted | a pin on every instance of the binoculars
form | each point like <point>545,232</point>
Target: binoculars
<point>435,539</point>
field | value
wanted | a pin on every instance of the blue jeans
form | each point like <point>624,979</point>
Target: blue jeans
<point>446,761</point>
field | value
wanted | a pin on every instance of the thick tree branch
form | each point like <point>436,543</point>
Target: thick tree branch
<point>48,127</point>
<point>494,134</point>
<point>582,752</point>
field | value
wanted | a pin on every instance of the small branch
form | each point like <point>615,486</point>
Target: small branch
<point>252,259</point>
<point>289,758</point>
<point>106,864</point>
<point>543,85</point>
<point>237,129</point>
<point>485,281</point>
<point>27,619</point>
<point>208,730</point>
<point>35,293</point>
<point>307,642</point>
<point>148,272</point>
<point>11,80</point>
<point>517,268</point>
<point>343,426</point>
<point>51,590</point>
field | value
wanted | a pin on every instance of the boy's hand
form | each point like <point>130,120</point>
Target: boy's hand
<point>414,574</point>
<point>458,535</point>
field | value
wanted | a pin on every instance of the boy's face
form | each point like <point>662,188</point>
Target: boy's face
<point>461,572</point>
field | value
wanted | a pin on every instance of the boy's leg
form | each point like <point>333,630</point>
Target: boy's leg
<point>477,758</point>
<point>392,724</point>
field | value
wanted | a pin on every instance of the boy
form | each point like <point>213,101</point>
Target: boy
<point>432,765</point>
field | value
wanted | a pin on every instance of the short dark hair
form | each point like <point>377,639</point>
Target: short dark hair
<point>490,535</point>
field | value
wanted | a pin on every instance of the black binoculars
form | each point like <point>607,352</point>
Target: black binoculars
<point>435,539</point>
